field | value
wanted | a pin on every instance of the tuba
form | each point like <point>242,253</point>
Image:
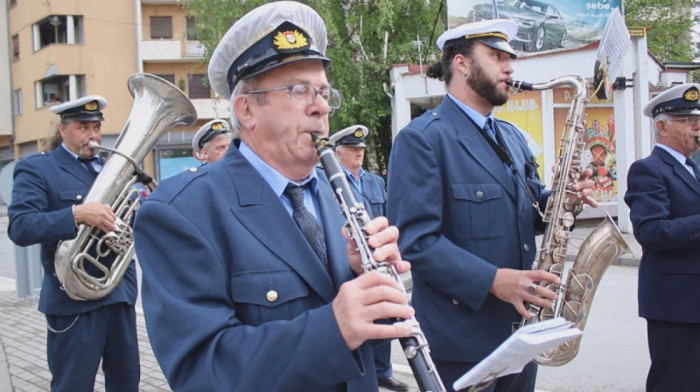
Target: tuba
<point>603,245</point>
<point>158,106</point>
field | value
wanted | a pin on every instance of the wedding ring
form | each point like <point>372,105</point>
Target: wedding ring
<point>532,288</point>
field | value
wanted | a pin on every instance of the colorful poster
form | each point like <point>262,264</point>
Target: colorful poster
<point>542,25</point>
<point>599,151</point>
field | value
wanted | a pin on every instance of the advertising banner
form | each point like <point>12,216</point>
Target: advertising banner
<point>543,25</point>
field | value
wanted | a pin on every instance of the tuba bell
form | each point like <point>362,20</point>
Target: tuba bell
<point>158,106</point>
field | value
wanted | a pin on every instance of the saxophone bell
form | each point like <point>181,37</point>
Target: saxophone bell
<point>596,253</point>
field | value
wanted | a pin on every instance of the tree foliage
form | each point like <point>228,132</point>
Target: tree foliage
<point>669,26</point>
<point>365,39</point>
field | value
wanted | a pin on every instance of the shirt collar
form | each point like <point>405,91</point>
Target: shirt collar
<point>275,179</point>
<point>679,157</point>
<point>477,117</point>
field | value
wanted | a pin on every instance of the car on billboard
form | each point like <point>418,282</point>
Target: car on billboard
<point>540,25</point>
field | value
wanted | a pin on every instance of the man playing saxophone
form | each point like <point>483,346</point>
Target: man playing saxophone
<point>461,190</point>
<point>47,208</point>
<point>663,193</point>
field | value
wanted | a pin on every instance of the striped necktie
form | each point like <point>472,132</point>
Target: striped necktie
<point>312,230</point>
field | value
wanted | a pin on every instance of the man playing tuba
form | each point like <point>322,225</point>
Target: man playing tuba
<point>47,208</point>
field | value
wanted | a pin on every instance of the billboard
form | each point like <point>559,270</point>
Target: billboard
<point>543,25</point>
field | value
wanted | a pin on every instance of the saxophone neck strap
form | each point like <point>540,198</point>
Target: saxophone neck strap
<point>499,147</point>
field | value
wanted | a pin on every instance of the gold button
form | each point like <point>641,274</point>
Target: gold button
<point>271,296</point>
<point>79,197</point>
<point>479,194</point>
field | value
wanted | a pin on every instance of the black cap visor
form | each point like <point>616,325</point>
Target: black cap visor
<point>499,44</point>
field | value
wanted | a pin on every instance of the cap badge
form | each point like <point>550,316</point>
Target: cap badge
<point>692,94</point>
<point>358,133</point>
<point>92,105</point>
<point>288,40</point>
<point>217,126</point>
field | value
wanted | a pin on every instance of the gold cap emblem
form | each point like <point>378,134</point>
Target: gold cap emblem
<point>285,40</point>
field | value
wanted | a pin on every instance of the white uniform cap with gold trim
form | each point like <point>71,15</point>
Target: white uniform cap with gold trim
<point>495,33</point>
<point>353,135</point>
<point>82,109</point>
<point>681,99</point>
<point>208,132</point>
<point>271,35</point>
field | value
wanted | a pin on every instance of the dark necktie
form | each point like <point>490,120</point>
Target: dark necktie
<point>489,130</point>
<point>694,165</point>
<point>88,165</point>
<point>312,230</point>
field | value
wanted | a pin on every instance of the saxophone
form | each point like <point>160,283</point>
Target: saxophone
<point>158,106</point>
<point>415,347</point>
<point>603,245</point>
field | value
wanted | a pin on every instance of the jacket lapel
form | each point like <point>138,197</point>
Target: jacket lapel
<point>254,203</point>
<point>69,164</point>
<point>678,168</point>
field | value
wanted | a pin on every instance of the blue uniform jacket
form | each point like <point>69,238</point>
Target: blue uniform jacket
<point>233,296</point>
<point>461,216</point>
<point>373,194</point>
<point>664,201</point>
<point>46,186</point>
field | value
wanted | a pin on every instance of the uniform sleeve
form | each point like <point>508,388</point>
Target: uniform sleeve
<point>31,222</point>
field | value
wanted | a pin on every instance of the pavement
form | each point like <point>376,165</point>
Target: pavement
<point>23,366</point>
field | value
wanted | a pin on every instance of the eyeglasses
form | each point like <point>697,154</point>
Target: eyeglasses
<point>692,119</point>
<point>306,94</point>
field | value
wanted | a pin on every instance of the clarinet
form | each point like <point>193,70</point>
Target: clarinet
<point>415,346</point>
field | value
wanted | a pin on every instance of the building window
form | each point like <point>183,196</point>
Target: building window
<point>169,77</point>
<point>197,88</point>
<point>17,102</point>
<point>191,29</point>
<point>15,48</point>
<point>172,160</point>
<point>161,27</point>
<point>58,29</point>
<point>57,89</point>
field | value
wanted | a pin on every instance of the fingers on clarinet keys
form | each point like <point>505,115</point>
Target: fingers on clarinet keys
<point>532,289</point>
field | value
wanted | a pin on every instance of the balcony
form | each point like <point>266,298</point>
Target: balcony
<point>160,50</point>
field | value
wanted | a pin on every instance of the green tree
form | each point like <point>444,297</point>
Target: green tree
<point>669,25</point>
<point>365,38</point>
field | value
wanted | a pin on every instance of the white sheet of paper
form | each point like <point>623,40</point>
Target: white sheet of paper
<point>519,349</point>
<point>613,44</point>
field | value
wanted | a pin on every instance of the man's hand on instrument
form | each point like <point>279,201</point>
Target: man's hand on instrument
<point>95,214</point>
<point>365,299</point>
<point>585,188</point>
<point>384,240</point>
<point>517,287</point>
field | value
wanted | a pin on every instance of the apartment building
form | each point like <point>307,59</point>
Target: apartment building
<point>61,50</point>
